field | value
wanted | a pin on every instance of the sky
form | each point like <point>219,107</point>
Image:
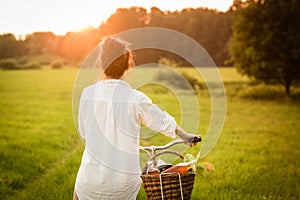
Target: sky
<point>21,17</point>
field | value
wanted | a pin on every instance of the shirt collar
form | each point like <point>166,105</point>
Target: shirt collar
<point>114,81</point>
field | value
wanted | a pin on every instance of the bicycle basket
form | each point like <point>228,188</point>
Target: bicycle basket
<point>168,186</point>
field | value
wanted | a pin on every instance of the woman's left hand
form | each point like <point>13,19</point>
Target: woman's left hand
<point>192,140</point>
<point>188,139</point>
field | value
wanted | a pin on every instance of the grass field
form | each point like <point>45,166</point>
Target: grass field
<point>256,157</point>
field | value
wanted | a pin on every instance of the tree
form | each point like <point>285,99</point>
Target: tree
<point>265,43</point>
<point>9,46</point>
<point>210,28</point>
<point>41,43</point>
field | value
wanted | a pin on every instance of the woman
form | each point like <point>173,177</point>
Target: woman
<point>110,116</point>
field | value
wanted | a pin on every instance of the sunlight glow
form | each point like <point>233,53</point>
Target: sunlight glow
<point>61,16</point>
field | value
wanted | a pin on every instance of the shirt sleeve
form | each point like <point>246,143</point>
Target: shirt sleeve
<point>81,128</point>
<point>156,119</point>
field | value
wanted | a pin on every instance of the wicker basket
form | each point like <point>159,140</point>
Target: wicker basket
<point>168,186</point>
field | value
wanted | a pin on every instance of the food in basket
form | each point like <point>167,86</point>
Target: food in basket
<point>181,167</point>
<point>164,167</point>
<point>150,170</point>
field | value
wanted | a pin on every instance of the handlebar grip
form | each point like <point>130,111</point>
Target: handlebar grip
<point>195,139</point>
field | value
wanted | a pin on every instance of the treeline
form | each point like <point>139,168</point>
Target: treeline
<point>211,28</point>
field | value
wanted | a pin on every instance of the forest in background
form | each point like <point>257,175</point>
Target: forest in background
<point>210,28</point>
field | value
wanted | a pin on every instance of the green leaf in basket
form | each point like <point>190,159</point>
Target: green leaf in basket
<point>189,157</point>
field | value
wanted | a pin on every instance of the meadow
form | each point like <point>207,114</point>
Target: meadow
<point>256,157</point>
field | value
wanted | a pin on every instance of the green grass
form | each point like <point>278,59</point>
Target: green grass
<point>36,132</point>
<point>257,154</point>
<point>256,157</point>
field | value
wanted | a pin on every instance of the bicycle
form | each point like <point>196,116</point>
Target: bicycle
<point>162,185</point>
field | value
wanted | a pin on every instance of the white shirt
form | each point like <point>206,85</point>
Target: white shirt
<point>109,120</point>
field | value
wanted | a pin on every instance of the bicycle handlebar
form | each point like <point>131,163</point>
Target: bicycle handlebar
<point>150,150</point>
<point>172,143</point>
<point>153,148</point>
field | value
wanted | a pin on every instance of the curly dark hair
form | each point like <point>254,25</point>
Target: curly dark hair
<point>116,57</point>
